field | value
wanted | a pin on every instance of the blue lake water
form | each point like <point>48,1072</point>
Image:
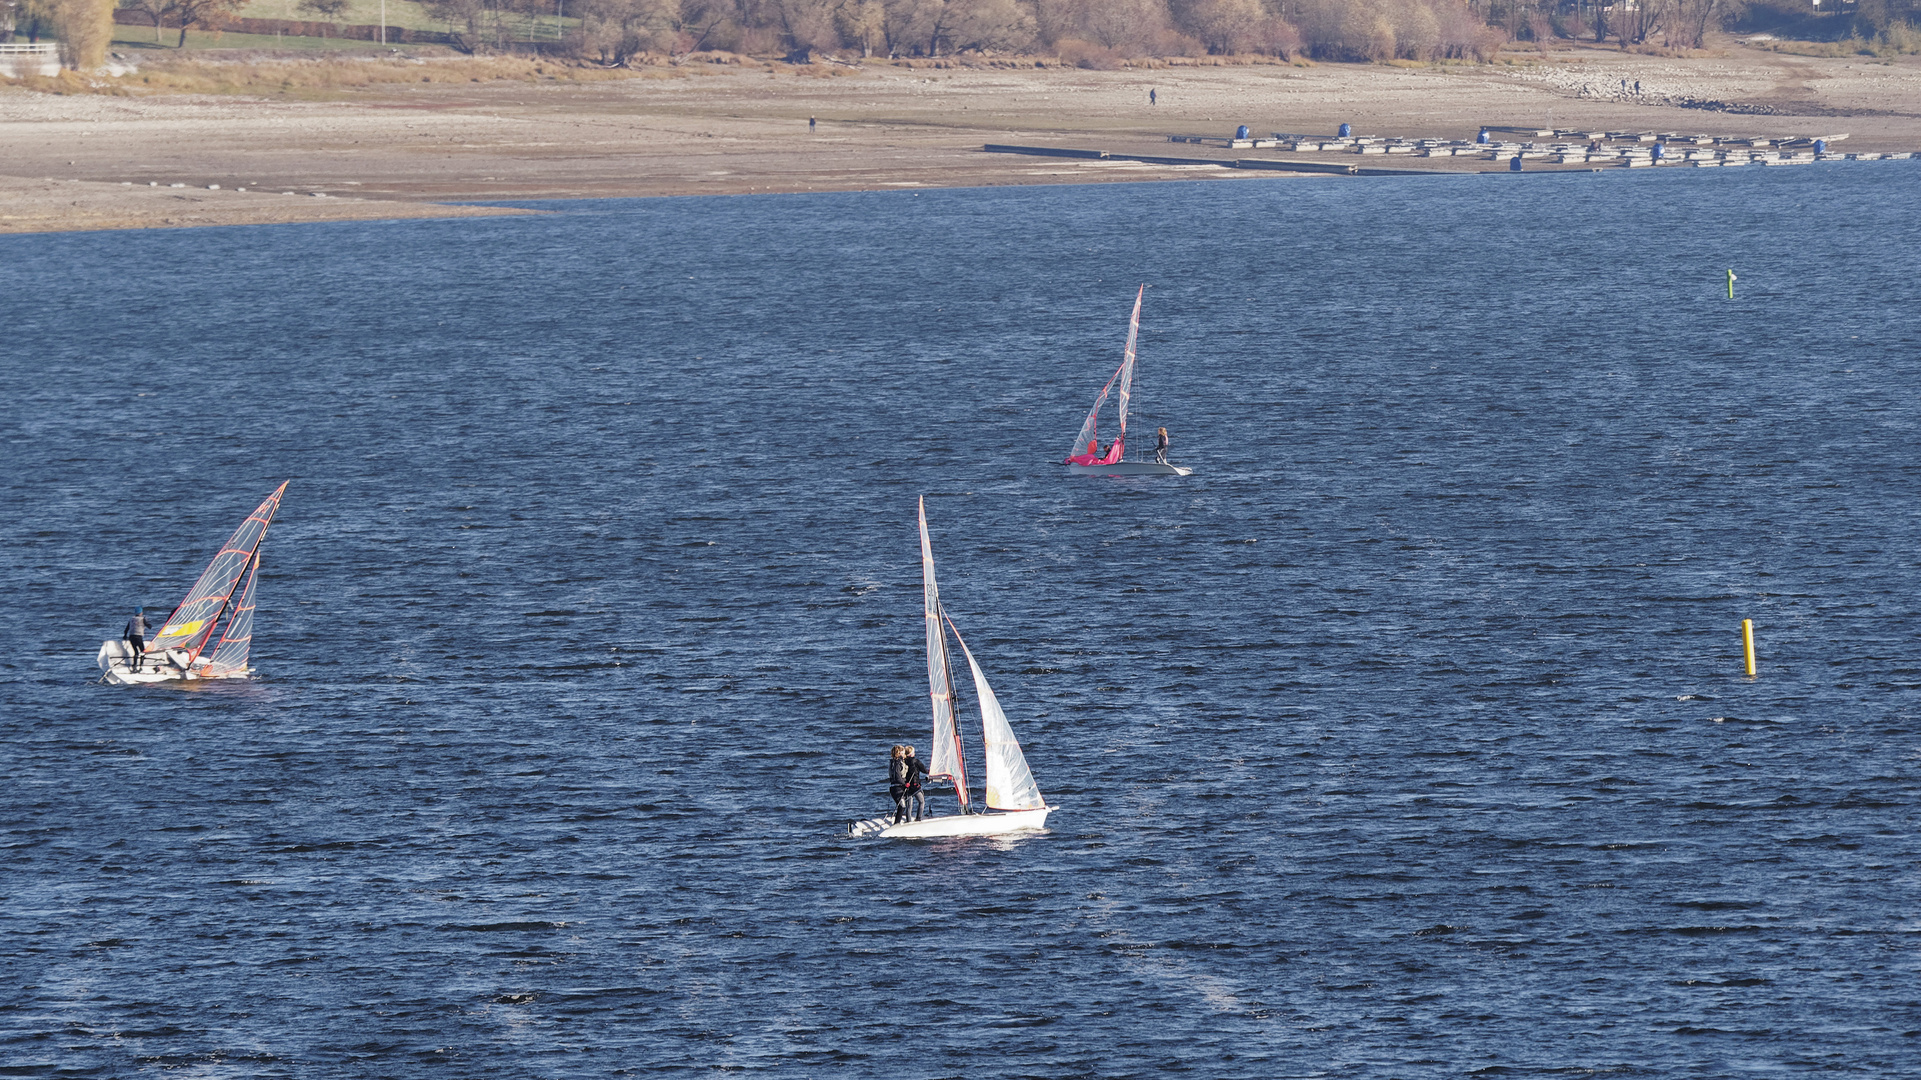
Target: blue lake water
<point>1408,737</point>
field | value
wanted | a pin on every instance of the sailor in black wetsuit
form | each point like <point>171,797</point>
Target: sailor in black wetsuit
<point>1160,446</point>
<point>897,775</point>
<point>916,769</point>
<point>136,636</point>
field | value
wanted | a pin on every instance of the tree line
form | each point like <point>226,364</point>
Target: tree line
<point>1093,33</point>
<point>1098,33</point>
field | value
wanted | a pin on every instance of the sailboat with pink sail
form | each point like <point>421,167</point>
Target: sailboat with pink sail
<point>1087,455</point>
<point>1012,802</point>
<point>210,635</point>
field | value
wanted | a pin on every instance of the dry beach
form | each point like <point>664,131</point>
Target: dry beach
<point>423,133</point>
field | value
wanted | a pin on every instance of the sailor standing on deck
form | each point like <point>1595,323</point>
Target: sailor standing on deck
<point>136,636</point>
<point>897,775</point>
<point>1160,446</point>
<point>916,770</point>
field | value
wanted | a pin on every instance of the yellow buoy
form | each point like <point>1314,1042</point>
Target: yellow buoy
<point>1747,642</point>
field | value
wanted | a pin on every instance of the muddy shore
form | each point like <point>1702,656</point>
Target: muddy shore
<point>394,150</point>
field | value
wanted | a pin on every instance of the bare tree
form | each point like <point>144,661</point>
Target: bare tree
<point>1690,20</point>
<point>206,14</point>
<point>1123,26</point>
<point>705,21</point>
<point>1634,23</point>
<point>1224,26</point>
<point>154,10</point>
<point>84,27</point>
<point>804,25</point>
<point>615,31</point>
<point>862,22</point>
<point>900,24</point>
<point>474,25</point>
<point>329,10</point>
<point>1462,36</point>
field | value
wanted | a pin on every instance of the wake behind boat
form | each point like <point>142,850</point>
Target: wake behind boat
<point>221,600</point>
<point>1086,455</point>
<point>1012,801</point>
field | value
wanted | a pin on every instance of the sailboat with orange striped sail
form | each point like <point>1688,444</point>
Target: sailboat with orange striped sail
<point>210,635</point>
<point>1012,802</point>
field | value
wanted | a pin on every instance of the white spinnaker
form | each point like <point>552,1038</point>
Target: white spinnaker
<point>1010,784</point>
<point>945,758</point>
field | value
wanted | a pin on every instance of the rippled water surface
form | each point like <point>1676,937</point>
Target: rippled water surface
<point>1408,737</point>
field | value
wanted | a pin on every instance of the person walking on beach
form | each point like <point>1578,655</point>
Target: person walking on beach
<point>897,782</point>
<point>1160,446</point>
<point>1151,100</point>
<point>916,799</point>
<point>810,125</point>
<point>136,635</point>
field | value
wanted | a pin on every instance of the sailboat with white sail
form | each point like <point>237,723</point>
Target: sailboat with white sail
<point>1086,455</point>
<point>1012,801</point>
<point>210,635</point>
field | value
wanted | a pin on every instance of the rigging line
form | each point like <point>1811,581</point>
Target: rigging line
<point>956,684</point>
<point>225,606</point>
<point>246,575</point>
<point>226,603</point>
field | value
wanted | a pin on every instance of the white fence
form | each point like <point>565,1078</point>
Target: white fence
<point>19,58</point>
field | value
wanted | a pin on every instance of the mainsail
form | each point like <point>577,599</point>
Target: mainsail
<point>1010,784</point>
<point>230,655</point>
<point>946,759</point>
<point>1085,449</point>
<point>193,622</point>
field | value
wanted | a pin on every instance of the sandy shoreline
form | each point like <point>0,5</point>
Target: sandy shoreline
<point>396,150</point>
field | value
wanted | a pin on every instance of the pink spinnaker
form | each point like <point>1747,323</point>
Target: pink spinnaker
<point>1086,448</point>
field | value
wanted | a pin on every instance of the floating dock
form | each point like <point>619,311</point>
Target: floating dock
<point>1545,146</point>
<point>1267,164</point>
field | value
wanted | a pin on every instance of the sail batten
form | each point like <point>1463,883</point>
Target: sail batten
<point>236,641</point>
<point>192,624</point>
<point>1009,782</point>
<point>945,758</point>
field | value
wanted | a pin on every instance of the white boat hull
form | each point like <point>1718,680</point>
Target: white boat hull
<point>1132,468</point>
<point>989,824</point>
<point>118,667</point>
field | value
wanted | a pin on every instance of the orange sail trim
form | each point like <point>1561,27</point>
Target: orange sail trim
<point>192,624</point>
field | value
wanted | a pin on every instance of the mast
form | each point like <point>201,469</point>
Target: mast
<point>1127,365</point>
<point>945,759</point>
